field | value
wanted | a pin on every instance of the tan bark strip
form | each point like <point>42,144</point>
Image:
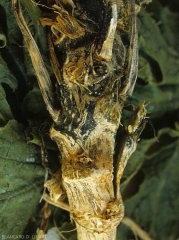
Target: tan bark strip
<point>132,68</point>
<point>37,61</point>
<point>53,59</point>
<point>59,204</point>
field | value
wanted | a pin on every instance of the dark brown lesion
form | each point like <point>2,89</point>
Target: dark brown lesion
<point>97,73</point>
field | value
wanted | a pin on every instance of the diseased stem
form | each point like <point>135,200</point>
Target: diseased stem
<point>90,188</point>
<point>96,74</point>
<point>84,233</point>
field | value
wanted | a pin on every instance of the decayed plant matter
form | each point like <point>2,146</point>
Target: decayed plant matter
<point>95,74</point>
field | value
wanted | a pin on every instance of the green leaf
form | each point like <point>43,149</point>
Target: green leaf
<point>21,179</point>
<point>7,78</point>
<point>6,75</point>
<point>8,18</point>
<point>5,112</point>
<point>153,47</point>
<point>12,137</point>
<point>34,107</point>
<point>155,206</point>
<point>158,74</point>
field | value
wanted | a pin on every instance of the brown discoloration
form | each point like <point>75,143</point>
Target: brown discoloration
<point>63,24</point>
<point>94,80</point>
<point>38,63</point>
<point>137,118</point>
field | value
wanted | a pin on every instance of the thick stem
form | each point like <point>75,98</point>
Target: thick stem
<point>87,173</point>
<point>93,207</point>
<point>84,233</point>
<point>92,90</point>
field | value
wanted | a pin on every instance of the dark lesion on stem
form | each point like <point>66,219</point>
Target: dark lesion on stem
<point>95,73</point>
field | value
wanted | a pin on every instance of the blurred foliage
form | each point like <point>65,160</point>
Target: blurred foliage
<point>150,184</point>
<point>21,172</point>
<point>21,179</point>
